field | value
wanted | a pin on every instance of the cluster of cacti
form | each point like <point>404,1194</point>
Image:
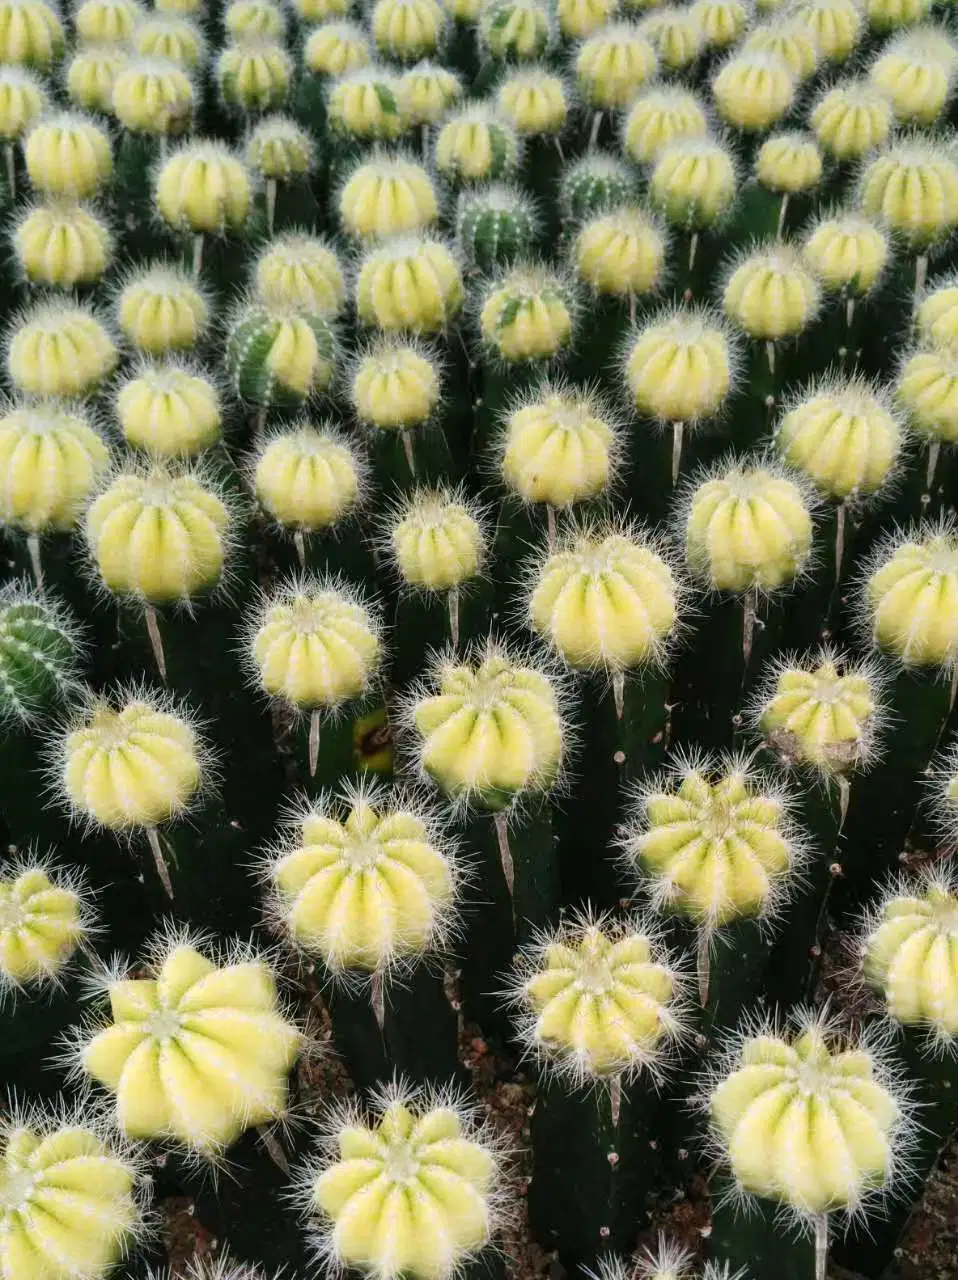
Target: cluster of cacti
<point>478,487</point>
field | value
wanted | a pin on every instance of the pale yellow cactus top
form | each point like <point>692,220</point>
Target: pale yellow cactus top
<point>196,1053</point>
<point>604,598</point>
<point>912,188</point>
<point>477,143</point>
<point>516,29</point>
<point>171,37</point>
<point>621,253</point>
<point>367,883</point>
<point>613,65</point>
<point>67,154</point>
<point>335,48</point>
<point>258,18</point>
<point>280,150</point>
<point>204,188</point>
<point>315,644</point>
<point>680,366</point>
<point>493,729</point>
<point>927,389</point>
<point>414,1162</point>
<point>437,540</point>
<point>659,116</point>
<point>805,1120</point>
<point>597,999</point>
<point>844,437</point>
<point>162,535</point>
<point>43,919</point>
<point>161,309</point>
<point>131,761</point>
<point>847,252</point>
<point>754,90</point>
<point>560,448</point>
<point>771,293</point>
<point>298,270</point>
<point>694,182</point>
<point>91,74</point>
<point>911,598</point>
<point>153,96</point>
<point>851,119</point>
<point>387,196</point>
<point>320,10</point>
<point>254,75</point>
<point>31,34</point>
<point>937,316</point>
<point>836,26</point>
<point>428,91</point>
<point>365,102</point>
<point>51,460</point>
<point>580,18</point>
<point>308,478</point>
<point>821,711</point>
<point>169,410</point>
<point>748,528</point>
<point>407,30</point>
<point>59,350</point>
<point>676,35</point>
<point>888,15</point>
<point>535,101</point>
<point>723,22</point>
<point>527,314</point>
<point>714,841</point>
<point>917,71</point>
<point>789,162</point>
<point>410,284</point>
<point>790,39</point>
<point>22,100</point>
<point>70,1205</point>
<point>910,956</point>
<point>106,21</point>
<point>396,385</point>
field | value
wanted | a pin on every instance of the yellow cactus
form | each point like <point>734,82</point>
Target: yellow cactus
<point>365,103</point>
<point>748,527</point>
<point>67,155</point>
<point>604,598</point>
<point>154,97</point>
<point>535,101</point>
<point>527,314</point>
<point>462,11</point>
<point>106,21</point>
<point>723,22</point>
<point>91,75</point>
<point>300,271</point>
<point>428,91</point>
<point>130,761</point>
<point>836,26</point>
<point>197,1052</point>
<point>60,351</point>
<point>680,366</point>
<point>621,253</point>
<point>789,162</point>
<point>367,881</point>
<point>822,711</point>
<point>308,478</point>
<point>23,100</point>
<point>844,437</point>
<point>753,91</point>
<point>476,144</point>
<point>396,386</point>
<point>51,460</point>
<point>260,19</point>
<point>160,535</point>
<point>204,188</point>
<point>926,387</point>
<point>806,1120</point>
<point>937,315</point>
<point>789,39</point>
<point>771,294</point>
<point>493,730</point>
<point>280,150</point>
<point>437,540</point>
<point>415,1161</point>
<point>169,411</point>
<point>254,75</point>
<point>888,15</point>
<point>851,119</point>
<point>597,999</point>
<point>676,35</point>
<point>581,18</point>
<point>410,283</point>
<point>613,65</point>
<point>911,598</point>
<point>516,29</point>
<point>170,37</point>
<point>161,309</point>
<point>917,71</point>
<point>71,1204</point>
<point>660,116</point>
<point>61,245</point>
<point>320,10</point>
<point>714,841</point>
<point>187,8</point>
<point>407,29</point>
<point>912,188</point>
<point>31,34</point>
<point>336,48</point>
<point>44,918</point>
<point>847,252</point>
<point>387,196</point>
<point>561,447</point>
<point>694,181</point>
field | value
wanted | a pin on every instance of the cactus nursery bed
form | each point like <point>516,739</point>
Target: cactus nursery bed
<point>479,639</point>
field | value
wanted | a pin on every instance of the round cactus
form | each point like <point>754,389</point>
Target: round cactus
<point>660,116</point>
<point>675,34</point>
<point>45,916</point>
<point>428,92</point>
<point>528,313</point>
<point>51,460</point>
<point>159,535</point>
<point>407,30</point>
<point>694,182</point>
<point>579,18</point>
<point>476,144</point>
<point>153,97</point>
<point>259,19</point>
<point>852,119</point>
<point>516,30</point>
<point>22,101</point>
<point>912,188</point>
<point>889,15</point>
<point>396,386</point>
<point>927,390</point>
<point>753,91</point>
<point>67,154</point>
<point>336,48</point>
<point>910,597</point>
<point>365,104</point>
<point>836,26</point>
<point>59,350</point>
<point>169,410</point>
<point>279,150</point>
<point>937,315</point>
<point>366,881</point>
<point>848,253</point>
<point>40,648</point>
<point>301,271</point>
<point>161,309</point>
<point>279,356</point>
<point>106,21</point>
<point>788,38</point>
<point>172,38</point>
<point>596,183</point>
<point>770,293</point>
<point>320,10</point>
<point>789,163</point>
<point>254,75</point>
<point>410,284</point>
<point>723,22</point>
<point>613,65</point>
<point>308,477</point>
<point>495,225</point>
<point>204,188</point>
<point>387,196</point>
<point>680,366</point>
<point>621,253</point>
<point>31,34</point>
<point>534,101</point>
<point>437,540</point>
<point>917,70</point>
<point>196,1050</point>
<point>61,245</point>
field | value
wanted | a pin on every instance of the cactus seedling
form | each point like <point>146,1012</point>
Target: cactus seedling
<point>67,154</point>
<point>387,196</point>
<point>39,650</point>
<point>46,916</point>
<point>59,350</point>
<point>153,97</point>
<point>298,270</point>
<point>169,410</point>
<point>161,309</point>
<point>410,284</point>
<point>62,245</point>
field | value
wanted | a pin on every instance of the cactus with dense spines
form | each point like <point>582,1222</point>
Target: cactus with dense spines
<point>169,410</point>
<point>40,648</point>
<point>495,225</point>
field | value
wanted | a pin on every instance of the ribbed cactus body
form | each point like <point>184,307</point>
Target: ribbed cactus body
<point>280,358</point>
<point>39,648</point>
